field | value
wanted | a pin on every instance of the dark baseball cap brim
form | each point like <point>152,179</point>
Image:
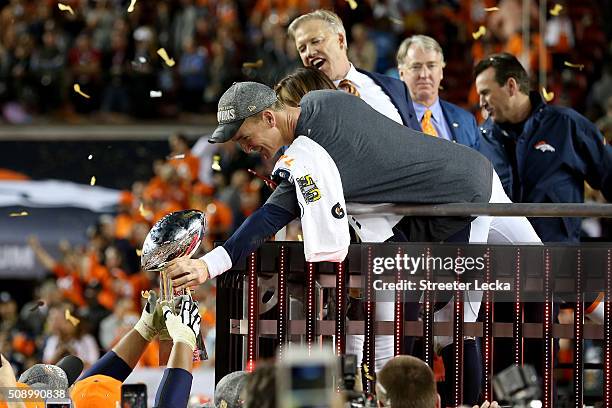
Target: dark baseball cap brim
<point>225,132</point>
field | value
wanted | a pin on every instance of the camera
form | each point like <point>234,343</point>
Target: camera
<point>354,399</point>
<point>58,404</point>
<point>517,385</point>
<point>306,380</point>
<point>133,396</point>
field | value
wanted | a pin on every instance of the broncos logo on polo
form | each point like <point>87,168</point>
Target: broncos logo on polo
<point>544,147</point>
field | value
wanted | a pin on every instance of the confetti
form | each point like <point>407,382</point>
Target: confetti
<point>569,64</point>
<point>491,9</point>
<point>366,370</point>
<point>155,94</point>
<point>65,7</point>
<point>548,96</point>
<point>300,238</point>
<point>131,6</point>
<point>176,157</point>
<point>352,4</point>
<point>396,21</point>
<point>145,294</point>
<point>215,165</point>
<point>71,318</point>
<point>77,89</point>
<point>38,304</point>
<point>481,31</point>
<point>138,252</point>
<point>556,10</point>
<point>253,65</point>
<point>19,214</point>
<point>90,157</point>
<point>92,182</point>
<point>144,212</point>
<point>164,55</point>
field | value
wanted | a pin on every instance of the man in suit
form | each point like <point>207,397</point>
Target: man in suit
<point>420,62</point>
<point>320,39</point>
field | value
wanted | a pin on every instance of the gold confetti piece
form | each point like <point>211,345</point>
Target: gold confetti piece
<point>19,214</point>
<point>491,9</point>
<point>300,238</point>
<point>215,165</point>
<point>548,96</point>
<point>75,321</point>
<point>77,89</point>
<point>481,31</point>
<point>92,182</point>
<point>131,7</point>
<point>155,94</point>
<point>396,21</point>
<point>176,157</point>
<point>569,64</point>
<point>65,7</point>
<point>145,294</point>
<point>90,157</point>
<point>352,4</point>
<point>144,212</point>
<point>366,370</point>
<point>164,55</point>
<point>556,10</point>
<point>253,65</point>
<point>138,252</point>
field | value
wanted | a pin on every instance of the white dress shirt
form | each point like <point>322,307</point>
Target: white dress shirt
<point>373,94</point>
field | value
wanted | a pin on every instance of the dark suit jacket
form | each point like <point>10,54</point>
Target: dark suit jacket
<point>462,125</point>
<point>399,95</point>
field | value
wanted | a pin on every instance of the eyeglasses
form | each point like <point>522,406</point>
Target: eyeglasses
<point>416,68</point>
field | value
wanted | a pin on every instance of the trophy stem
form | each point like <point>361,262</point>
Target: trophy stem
<point>165,347</point>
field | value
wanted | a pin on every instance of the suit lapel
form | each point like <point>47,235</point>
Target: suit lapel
<point>407,116</point>
<point>452,125</point>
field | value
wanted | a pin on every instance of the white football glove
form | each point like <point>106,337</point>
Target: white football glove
<point>185,326</point>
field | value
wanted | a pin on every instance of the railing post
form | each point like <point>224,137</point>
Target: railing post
<point>282,323</point>
<point>311,310</point>
<point>369,353</point>
<point>487,334</point>
<point>517,328</point>
<point>578,335</point>
<point>252,312</point>
<point>548,386</point>
<point>608,334</point>
<point>458,341</point>
<point>398,313</point>
<point>428,319</point>
<point>341,271</point>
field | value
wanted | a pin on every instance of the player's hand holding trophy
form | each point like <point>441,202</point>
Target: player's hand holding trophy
<point>176,235</point>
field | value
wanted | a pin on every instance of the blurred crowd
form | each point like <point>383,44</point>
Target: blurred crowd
<point>110,52</point>
<point>101,284</point>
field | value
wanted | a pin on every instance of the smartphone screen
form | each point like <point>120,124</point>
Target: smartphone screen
<point>58,404</point>
<point>133,396</point>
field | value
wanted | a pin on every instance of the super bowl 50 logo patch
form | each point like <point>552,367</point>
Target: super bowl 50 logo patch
<point>309,189</point>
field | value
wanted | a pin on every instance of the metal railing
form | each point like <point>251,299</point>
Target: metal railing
<point>284,262</point>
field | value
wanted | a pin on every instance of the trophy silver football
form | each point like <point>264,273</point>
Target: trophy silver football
<point>176,235</point>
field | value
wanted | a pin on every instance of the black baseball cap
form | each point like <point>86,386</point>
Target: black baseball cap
<point>241,100</point>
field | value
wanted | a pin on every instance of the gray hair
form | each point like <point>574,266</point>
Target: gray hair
<point>423,41</point>
<point>329,17</point>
